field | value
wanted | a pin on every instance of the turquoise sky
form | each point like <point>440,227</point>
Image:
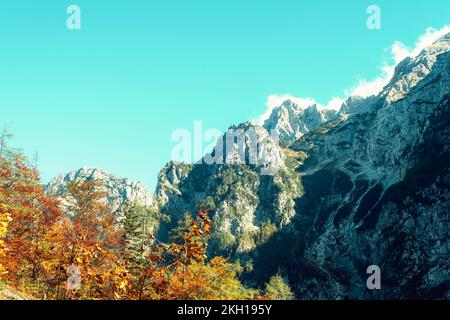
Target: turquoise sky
<point>111,94</point>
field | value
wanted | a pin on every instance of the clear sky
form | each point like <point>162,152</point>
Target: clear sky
<point>111,94</point>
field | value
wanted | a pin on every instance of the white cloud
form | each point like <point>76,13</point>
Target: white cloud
<point>428,38</point>
<point>364,87</point>
<point>399,52</point>
<point>335,103</point>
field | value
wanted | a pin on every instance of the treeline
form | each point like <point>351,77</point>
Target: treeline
<point>79,252</point>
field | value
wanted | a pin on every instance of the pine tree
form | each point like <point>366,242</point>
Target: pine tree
<point>138,226</point>
<point>182,227</point>
<point>42,249</point>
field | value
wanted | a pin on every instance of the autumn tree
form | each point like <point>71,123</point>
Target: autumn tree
<point>73,247</point>
<point>215,280</point>
<point>5,218</point>
<point>180,270</point>
<point>5,215</point>
<point>88,241</point>
<point>278,288</point>
<point>29,213</point>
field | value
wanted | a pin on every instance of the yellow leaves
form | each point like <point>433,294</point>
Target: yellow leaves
<point>3,227</point>
<point>88,239</point>
<point>186,276</point>
<point>214,280</point>
<point>26,218</point>
<point>99,248</point>
<point>5,219</point>
<point>123,284</point>
<point>114,282</point>
<point>49,266</point>
<point>3,271</point>
<point>3,209</point>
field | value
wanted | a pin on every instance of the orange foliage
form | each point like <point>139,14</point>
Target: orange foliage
<point>30,211</point>
<point>88,240</point>
<point>44,246</point>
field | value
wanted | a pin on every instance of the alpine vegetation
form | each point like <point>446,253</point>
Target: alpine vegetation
<point>313,202</point>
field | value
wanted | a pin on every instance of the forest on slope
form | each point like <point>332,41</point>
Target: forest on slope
<point>79,251</point>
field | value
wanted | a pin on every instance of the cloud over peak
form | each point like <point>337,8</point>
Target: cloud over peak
<point>399,52</point>
<point>364,87</point>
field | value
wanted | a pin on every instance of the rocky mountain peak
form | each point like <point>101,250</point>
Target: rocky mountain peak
<point>412,70</point>
<point>120,190</point>
<point>248,144</point>
<point>369,184</point>
<point>291,121</point>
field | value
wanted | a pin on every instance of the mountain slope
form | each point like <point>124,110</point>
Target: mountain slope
<point>377,191</point>
<point>367,185</point>
<point>247,202</point>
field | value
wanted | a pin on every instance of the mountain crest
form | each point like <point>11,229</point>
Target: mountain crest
<point>119,190</point>
<point>291,121</point>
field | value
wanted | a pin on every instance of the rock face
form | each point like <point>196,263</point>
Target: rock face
<point>376,191</point>
<point>368,185</point>
<point>248,201</point>
<point>291,121</point>
<point>120,191</point>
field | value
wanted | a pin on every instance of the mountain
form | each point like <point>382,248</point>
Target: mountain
<point>366,185</point>
<point>377,191</point>
<point>248,201</point>
<point>319,195</point>
<point>120,191</point>
<point>291,121</point>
